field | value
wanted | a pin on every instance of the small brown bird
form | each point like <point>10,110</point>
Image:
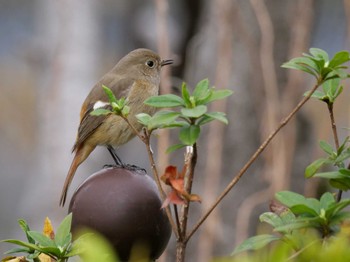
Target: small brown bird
<point>136,77</point>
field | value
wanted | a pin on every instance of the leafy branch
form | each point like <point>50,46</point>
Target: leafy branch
<point>297,212</point>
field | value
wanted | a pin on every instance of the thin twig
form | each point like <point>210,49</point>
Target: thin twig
<point>177,220</point>
<point>252,159</point>
<point>334,126</point>
<point>158,182</point>
<point>191,161</point>
<point>335,136</point>
<point>142,138</point>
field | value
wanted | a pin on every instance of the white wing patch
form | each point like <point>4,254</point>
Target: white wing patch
<point>100,104</point>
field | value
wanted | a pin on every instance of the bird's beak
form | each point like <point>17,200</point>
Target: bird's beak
<point>166,62</point>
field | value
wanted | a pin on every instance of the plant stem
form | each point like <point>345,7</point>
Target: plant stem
<point>180,251</point>
<point>177,222</point>
<point>252,160</point>
<point>146,140</point>
<point>335,136</point>
<point>334,126</point>
<point>190,163</point>
<point>136,132</point>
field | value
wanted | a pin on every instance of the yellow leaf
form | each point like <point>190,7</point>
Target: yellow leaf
<point>48,229</point>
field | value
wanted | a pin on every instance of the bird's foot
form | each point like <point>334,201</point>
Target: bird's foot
<point>110,166</point>
<point>134,168</point>
<point>128,167</point>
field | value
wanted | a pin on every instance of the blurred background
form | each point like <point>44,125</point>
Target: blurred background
<point>53,52</point>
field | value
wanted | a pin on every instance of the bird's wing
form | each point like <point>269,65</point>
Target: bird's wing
<point>88,122</point>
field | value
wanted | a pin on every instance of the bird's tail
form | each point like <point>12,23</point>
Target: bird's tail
<point>80,155</point>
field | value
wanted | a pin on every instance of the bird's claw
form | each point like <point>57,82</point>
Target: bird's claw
<point>127,166</point>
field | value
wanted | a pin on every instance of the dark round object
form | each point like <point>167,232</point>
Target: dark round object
<point>123,205</point>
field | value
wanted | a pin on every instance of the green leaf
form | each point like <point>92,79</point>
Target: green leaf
<point>339,59</point>
<point>143,118</point>
<point>315,166</point>
<point>340,205</point>
<point>23,244</point>
<point>319,54</point>
<point>345,171</point>
<point>62,238</point>
<point>41,239</point>
<point>343,156</point>
<point>326,147</point>
<point>303,209</point>
<point>194,112</point>
<point>339,73</point>
<point>292,65</point>
<point>271,218</point>
<point>287,216</point>
<point>218,116</point>
<point>332,89</point>
<point>125,111</point>
<point>298,224</point>
<point>100,111</point>
<point>24,226</point>
<point>110,94</point>
<point>342,146</point>
<point>327,72</point>
<point>189,135</point>
<point>317,95</point>
<point>306,61</point>
<point>202,91</point>
<point>339,217</point>
<point>186,95</point>
<point>331,175</point>
<point>18,250</point>
<point>162,118</point>
<point>52,250</point>
<point>175,147</point>
<point>290,199</point>
<point>342,184</point>
<point>254,243</point>
<point>217,95</point>
<point>175,124</point>
<point>201,88</point>
<point>164,101</point>
<point>208,117</point>
<point>326,200</point>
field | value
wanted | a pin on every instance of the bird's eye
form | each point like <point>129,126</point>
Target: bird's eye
<point>150,63</point>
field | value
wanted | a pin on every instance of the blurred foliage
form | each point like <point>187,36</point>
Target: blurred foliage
<point>58,246</point>
<point>311,248</point>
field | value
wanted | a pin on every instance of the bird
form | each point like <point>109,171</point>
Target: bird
<point>135,77</point>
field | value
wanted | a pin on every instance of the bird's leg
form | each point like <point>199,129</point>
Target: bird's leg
<point>119,163</point>
<point>115,157</point>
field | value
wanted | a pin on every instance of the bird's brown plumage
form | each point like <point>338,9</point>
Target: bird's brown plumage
<point>134,78</point>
